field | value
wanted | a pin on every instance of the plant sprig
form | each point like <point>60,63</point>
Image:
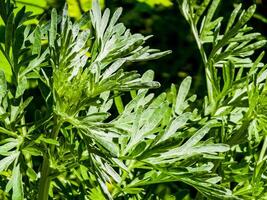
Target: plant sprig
<point>76,147</point>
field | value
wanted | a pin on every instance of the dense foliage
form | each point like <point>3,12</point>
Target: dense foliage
<point>68,131</point>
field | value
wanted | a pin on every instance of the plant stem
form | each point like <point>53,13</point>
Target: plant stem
<point>119,104</point>
<point>263,149</point>
<point>204,60</point>
<point>45,179</point>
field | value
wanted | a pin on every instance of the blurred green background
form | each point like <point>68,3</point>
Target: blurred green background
<point>162,19</point>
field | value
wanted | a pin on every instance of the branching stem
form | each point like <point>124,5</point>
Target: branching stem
<point>205,62</point>
<point>45,179</point>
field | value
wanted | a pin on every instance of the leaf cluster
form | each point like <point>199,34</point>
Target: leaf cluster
<point>76,146</point>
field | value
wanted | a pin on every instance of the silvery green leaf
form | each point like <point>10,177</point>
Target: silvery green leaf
<point>5,162</point>
<point>104,23</point>
<point>211,11</point>
<point>22,86</point>
<point>112,23</point>
<point>53,28</point>
<point>37,41</point>
<point>3,85</point>
<point>182,93</point>
<point>251,47</point>
<point>233,17</point>
<point>246,37</point>
<point>176,124</point>
<point>116,177</point>
<point>4,149</point>
<point>81,41</point>
<point>203,6</point>
<point>96,17</point>
<point>18,193</point>
<point>113,68</point>
<point>185,8</point>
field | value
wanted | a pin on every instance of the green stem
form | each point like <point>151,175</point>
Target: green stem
<point>45,178</point>
<point>119,104</point>
<point>133,93</point>
<point>261,161</point>
<point>8,132</point>
<point>263,150</point>
<point>204,60</point>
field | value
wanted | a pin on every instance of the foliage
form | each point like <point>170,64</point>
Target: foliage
<point>85,141</point>
<point>236,97</point>
<point>153,3</point>
<point>36,7</point>
<point>77,8</point>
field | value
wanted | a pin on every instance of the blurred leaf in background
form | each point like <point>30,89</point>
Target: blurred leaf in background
<point>153,3</point>
<point>5,67</point>
<point>261,11</point>
<point>260,17</point>
<point>36,7</point>
<point>77,7</point>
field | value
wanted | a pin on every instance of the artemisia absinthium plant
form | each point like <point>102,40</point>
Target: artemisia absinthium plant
<point>237,88</point>
<point>73,148</point>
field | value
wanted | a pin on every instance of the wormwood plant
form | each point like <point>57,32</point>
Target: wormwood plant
<point>75,146</point>
<point>236,88</point>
